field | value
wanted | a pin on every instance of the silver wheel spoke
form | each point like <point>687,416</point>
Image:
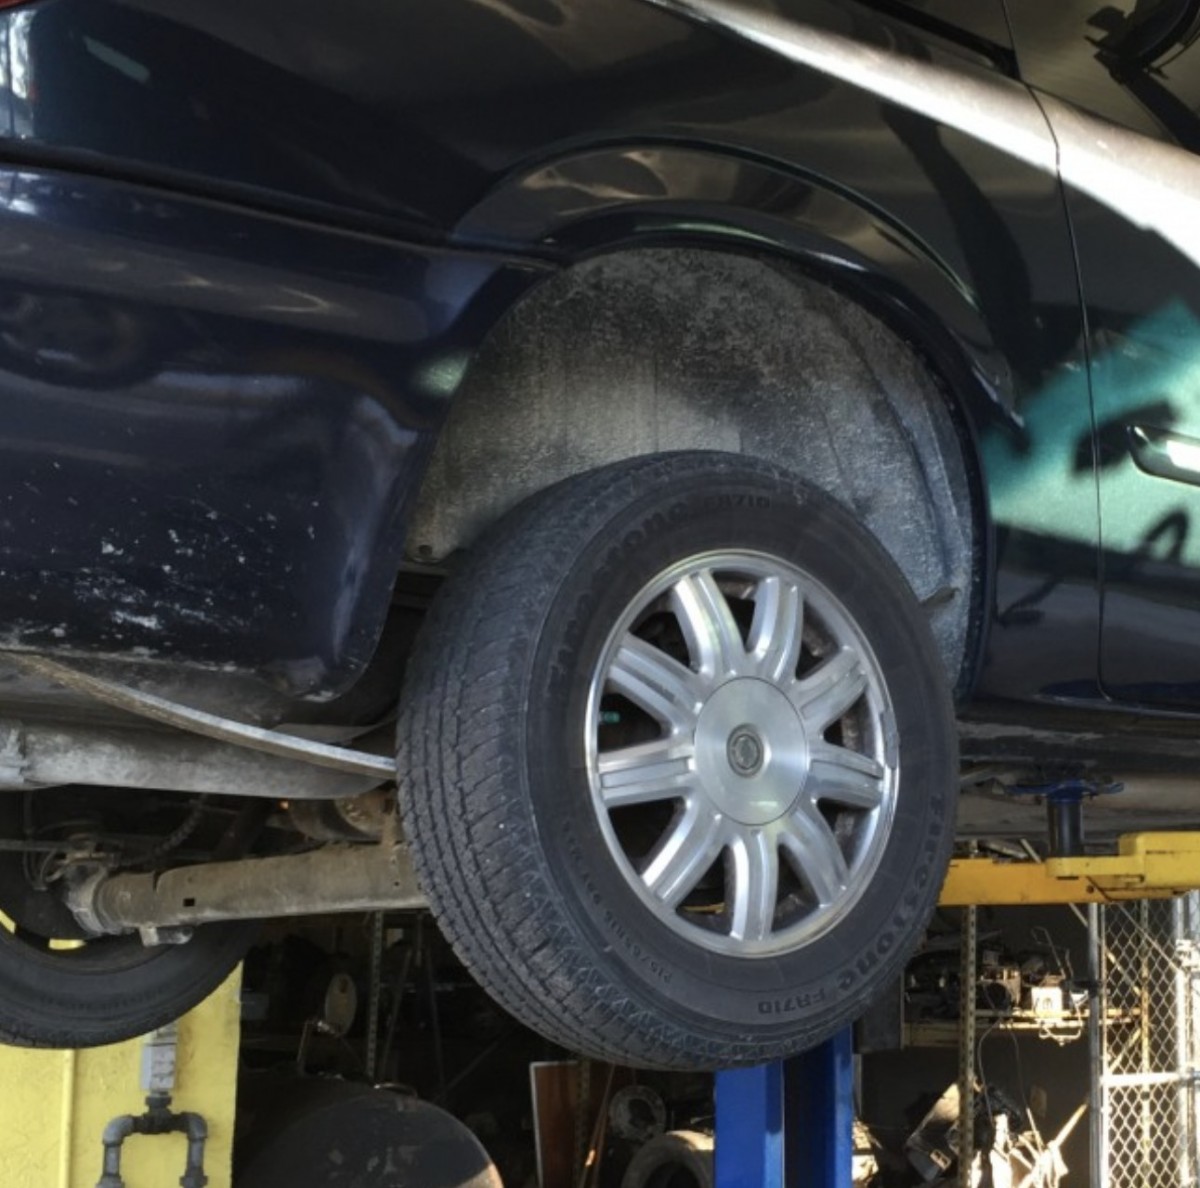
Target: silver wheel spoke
<point>646,772</point>
<point>817,857</point>
<point>755,877</point>
<point>828,692</point>
<point>687,850</point>
<point>845,777</point>
<point>774,643</point>
<point>663,687</point>
<point>708,626</point>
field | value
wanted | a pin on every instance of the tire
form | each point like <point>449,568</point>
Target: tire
<point>331,1134</point>
<point>105,990</point>
<point>677,1159</point>
<point>539,662</point>
<point>110,989</point>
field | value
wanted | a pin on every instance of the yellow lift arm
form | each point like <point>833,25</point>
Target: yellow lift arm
<point>1145,866</point>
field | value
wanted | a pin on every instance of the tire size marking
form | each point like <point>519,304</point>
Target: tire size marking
<point>793,1002</point>
<point>735,499</point>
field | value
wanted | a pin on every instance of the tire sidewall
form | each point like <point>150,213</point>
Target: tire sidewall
<point>820,984</point>
<point>80,1000</point>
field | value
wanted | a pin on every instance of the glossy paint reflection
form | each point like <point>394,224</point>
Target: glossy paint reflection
<point>1133,62</point>
<point>1146,384</point>
<point>318,365</point>
<point>202,452</point>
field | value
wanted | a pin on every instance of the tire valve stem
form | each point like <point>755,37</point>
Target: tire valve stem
<point>610,717</point>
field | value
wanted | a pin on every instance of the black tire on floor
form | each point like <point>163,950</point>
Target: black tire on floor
<point>108,990</point>
<point>332,1134</point>
<point>677,1159</point>
<point>111,989</point>
<point>653,603</point>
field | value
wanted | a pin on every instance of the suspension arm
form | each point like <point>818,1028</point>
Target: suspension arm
<point>333,878</point>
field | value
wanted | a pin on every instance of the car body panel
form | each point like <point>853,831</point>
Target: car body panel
<point>1135,64</point>
<point>550,131</point>
<point>208,447</point>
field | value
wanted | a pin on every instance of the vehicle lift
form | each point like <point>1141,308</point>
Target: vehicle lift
<point>789,1124</point>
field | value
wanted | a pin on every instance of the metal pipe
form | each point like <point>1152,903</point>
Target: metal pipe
<point>1064,816</point>
<point>159,1118</point>
<point>196,1129</point>
<point>1183,1062</point>
<point>966,1046</point>
<point>334,878</point>
<point>1145,1143</point>
<point>394,1012</point>
<point>1192,932</point>
<point>115,1134</point>
<point>1097,1118</point>
<point>374,997</point>
<point>1192,928</point>
<point>431,999</point>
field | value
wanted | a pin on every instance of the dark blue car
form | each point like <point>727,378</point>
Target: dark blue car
<point>669,428</point>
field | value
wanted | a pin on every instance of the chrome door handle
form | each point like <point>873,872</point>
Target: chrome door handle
<point>1165,455</point>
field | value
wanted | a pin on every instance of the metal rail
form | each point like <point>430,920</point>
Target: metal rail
<point>183,717</point>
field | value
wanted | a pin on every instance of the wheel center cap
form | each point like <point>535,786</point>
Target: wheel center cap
<point>751,751</point>
<point>745,751</point>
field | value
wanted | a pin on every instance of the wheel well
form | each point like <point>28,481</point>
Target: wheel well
<point>661,349</point>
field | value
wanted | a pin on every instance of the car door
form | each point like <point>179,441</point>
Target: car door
<point>1120,85</point>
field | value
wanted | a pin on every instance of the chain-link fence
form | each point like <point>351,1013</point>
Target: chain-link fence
<point>1148,1036</point>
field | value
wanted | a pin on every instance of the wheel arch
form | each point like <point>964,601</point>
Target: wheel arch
<point>623,196</point>
<point>688,268</point>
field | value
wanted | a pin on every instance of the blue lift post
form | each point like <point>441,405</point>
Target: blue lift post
<point>788,1124</point>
